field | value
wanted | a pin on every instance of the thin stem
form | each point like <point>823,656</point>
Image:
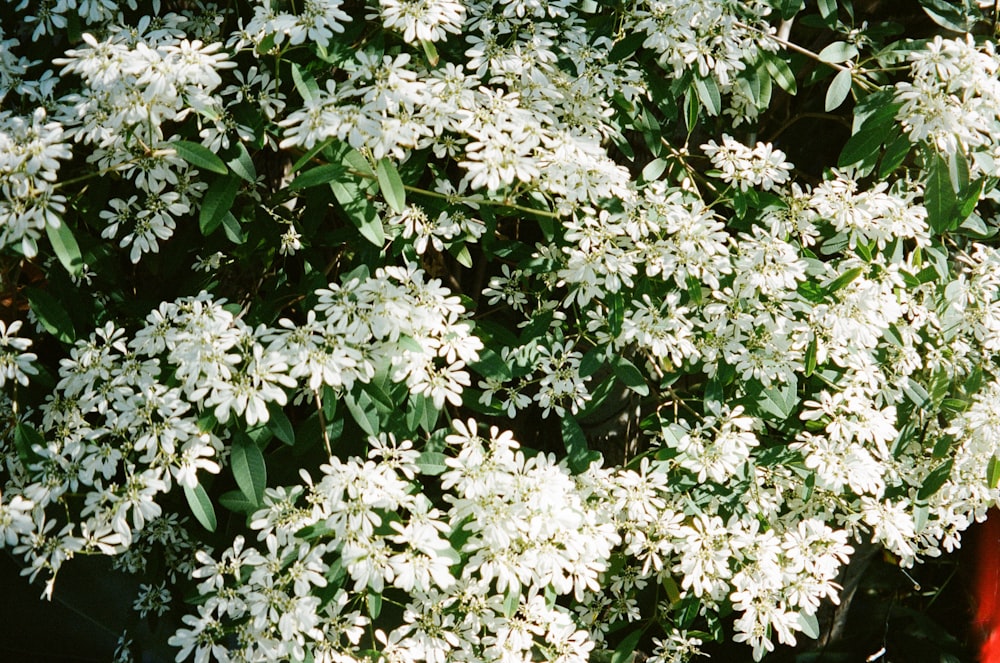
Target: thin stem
<point>322,423</point>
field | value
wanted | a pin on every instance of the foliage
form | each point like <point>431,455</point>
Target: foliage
<point>278,277</point>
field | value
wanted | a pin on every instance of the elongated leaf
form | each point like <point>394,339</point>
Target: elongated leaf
<point>242,164</point>
<point>391,185</point>
<point>708,93</point>
<point>781,73</point>
<point>362,408</point>
<point>939,196</point>
<point>828,9</point>
<point>236,501</point>
<point>217,202</point>
<point>577,451</point>
<point>430,52</point>
<point>431,463</point>
<point>66,248</point>
<point>935,479</point>
<point>51,313</point>
<point>993,472</point>
<point>839,88</point>
<point>360,211</point>
<point>626,649</point>
<point>305,84</point>
<point>630,376</point>
<point>843,280</point>
<point>26,439</point>
<point>838,51</point>
<point>198,155</point>
<point>201,506</point>
<point>249,468</point>
<point>279,424</point>
<point>778,401</point>
<point>324,174</point>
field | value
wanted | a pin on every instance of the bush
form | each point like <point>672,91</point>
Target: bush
<point>427,330</point>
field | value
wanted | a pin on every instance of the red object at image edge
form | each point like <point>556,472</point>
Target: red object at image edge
<point>988,588</point>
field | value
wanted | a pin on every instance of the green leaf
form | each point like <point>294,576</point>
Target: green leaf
<point>811,350</point>
<point>870,133</point>
<point>578,454</point>
<point>654,169</point>
<point>828,9</point>
<point>324,174</point>
<point>231,227</point>
<point>242,164</point>
<point>217,202</point>
<point>249,468</point>
<point>630,376</point>
<point>26,439</point>
<point>592,360</point>
<point>708,93</point>
<point>810,625</point>
<point>839,88</point>
<point>66,248</point>
<point>431,463</point>
<point>362,408</point>
<point>360,211</point>
<point>305,84</point>
<point>310,153</point>
<point>374,605</point>
<point>200,156</point>
<point>780,72</point>
<point>236,501</point>
<point>939,196</point>
<point>838,51</point>
<point>51,314</point>
<point>949,16</point>
<point>993,472</point>
<point>279,424</point>
<point>201,506</point>
<point>935,479</point>
<point>511,600</point>
<point>391,185</point>
<point>625,651</point>
<point>430,52</point>
<point>778,401</point>
<point>843,280</point>
<point>789,8</point>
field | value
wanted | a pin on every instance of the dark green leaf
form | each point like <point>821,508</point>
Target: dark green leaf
<point>279,424</point>
<point>236,501</point>
<point>630,376</point>
<point>843,280</point>
<point>708,93</point>
<point>198,155</point>
<point>948,16</point>
<point>26,439</point>
<point>201,506</point>
<point>577,451</point>
<point>828,9</point>
<point>935,479</point>
<point>232,228</point>
<point>242,164</point>
<point>217,202</point>
<point>939,196</point>
<point>431,463</point>
<point>360,211</point>
<point>374,605</point>
<point>51,313</point>
<point>249,468</point>
<point>391,185</point>
<point>993,472</point>
<point>305,84</point>
<point>324,174</point>
<point>592,360</point>
<point>781,72</point>
<point>778,401</point>
<point>626,648</point>
<point>362,408</point>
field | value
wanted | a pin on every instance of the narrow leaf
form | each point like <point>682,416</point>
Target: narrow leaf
<point>305,84</point>
<point>198,155</point>
<point>839,88</point>
<point>279,424</point>
<point>66,248</point>
<point>201,506</point>
<point>51,313</point>
<point>577,451</point>
<point>708,93</point>
<point>630,376</point>
<point>249,468</point>
<point>626,648</point>
<point>939,196</point>
<point>324,174</point>
<point>242,164</point>
<point>781,73</point>
<point>391,185</point>
<point>218,200</point>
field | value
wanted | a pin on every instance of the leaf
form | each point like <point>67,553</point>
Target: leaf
<point>630,376</point>
<point>810,625</point>
<point>65,246</point>
<point>279,424</point>
<point>391,185</point>
<point>789,8</point>
<point>198,155</point>
<point>242,164</point>
<point>993,472</point>
<point>810,358</point>
<point>236,501</point>
<point>26,439</point>
<point>360,211</point>
<point>575,441</point>
<point>939,196</point>
<point>839,88</point>
<point>828,9</point>
<point>870,133</point>
<point>625,651</point>
<point>201,506</point>
<point>935,479</point>
<point>305,84</point>
<point>708,93</point>
<point>948,16</point>
<point>51,314</point>
<point>249,468</point>
<point>781,73</point>
<point>654,169</point>
<point>374,605</point>
<point>231,226</point>
<point>843,280</point>
<point>218,200</point>
<point>362,408</point>
<point>591,361</point>
<point>431,463</point>
<point>324,174</point>
<point>838,51</point>
<point>778,401</point>
<point>430,52</point>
